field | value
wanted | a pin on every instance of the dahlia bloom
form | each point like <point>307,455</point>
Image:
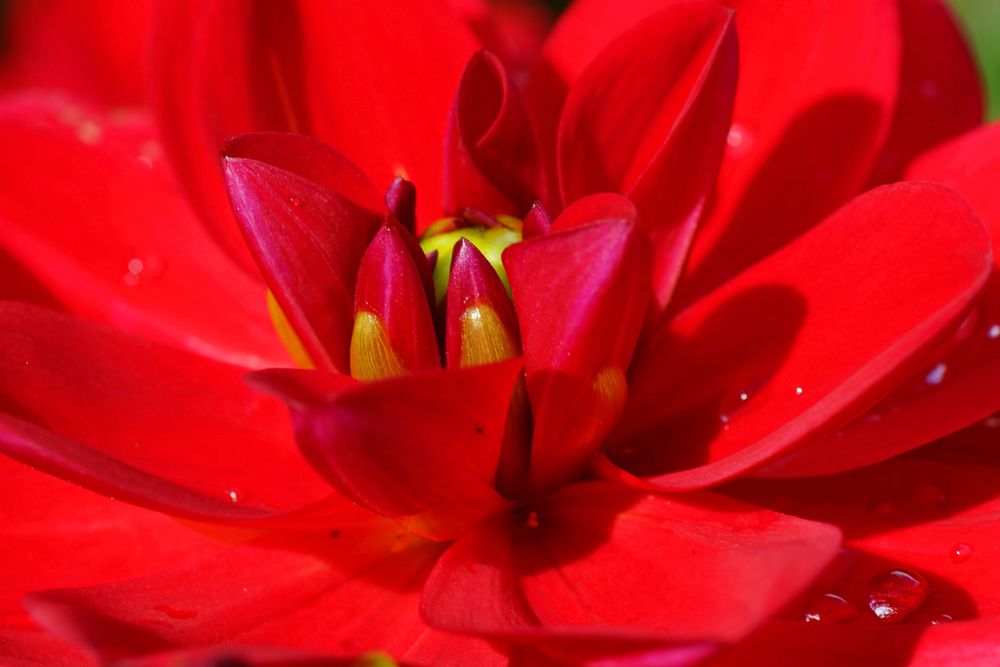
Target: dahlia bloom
<point>682,436</point>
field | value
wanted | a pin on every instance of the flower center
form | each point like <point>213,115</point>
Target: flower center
<point>490,235</point>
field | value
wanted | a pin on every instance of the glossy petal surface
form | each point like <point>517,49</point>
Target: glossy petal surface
<point>580,297</point>
<point>805,339</point>
<point>597,562</point>
<point>116,242</point>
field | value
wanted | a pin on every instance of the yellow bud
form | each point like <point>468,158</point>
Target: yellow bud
<point>485,340</point>
<point>287,334</point>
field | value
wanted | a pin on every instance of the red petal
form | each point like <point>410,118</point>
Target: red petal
<point>423,446</point>
<point>394,290</point>
<point>396,127</point>
<point>825,327</point>
<point>946,645</point>
<point>588,210</point>
<point>602,564</point>
<point>493,161</point>
<point>218,69</point>
<point>346,592</point>
<point>648,119</point>
<point>307,238</point>
<point>152,415</point>
<point>78,538</point>
<point>580,298</point>
<point>19,646</point>
<point>936,517</point>
<point>115,241</point>
<point>813,105</point>
<point>962,383</point>
<point>244,656</point>
<point>92,51</point>
<point>939,90</point>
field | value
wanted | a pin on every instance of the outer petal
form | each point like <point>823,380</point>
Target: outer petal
<point>580,297</point>
<point>649,119</point>
<point>78,538</point>
<point>115,241</point>
<point>946,645</point>
<point>939,90</point>
<point>422,446</point>
<point>20,646</point>
<point>217,69</point>
<point>92,51</point>
<point>817,86</point>
<point>605,565</point>
<point>308,593</point>
<point>152,414</point>
<point>415,51</point>
<point>826,326</point>
<point>307,214</point>
<point>962,383</point>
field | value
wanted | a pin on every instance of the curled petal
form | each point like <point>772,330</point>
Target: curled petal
<point>493,160</point>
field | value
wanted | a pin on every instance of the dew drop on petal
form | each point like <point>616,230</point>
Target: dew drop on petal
<point>233,496</point>
<point>936,375</point>
<point>798,391</point>
<point>942,618</point>
<point>295,201</point>
<point>960,552</point>
<point>895,594</point>
<point>830,608</point>
<point>993,332</point>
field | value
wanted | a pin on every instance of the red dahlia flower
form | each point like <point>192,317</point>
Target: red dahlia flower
<point>697,293</point>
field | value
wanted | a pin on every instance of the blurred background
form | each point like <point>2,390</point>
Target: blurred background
<point>980,19</point>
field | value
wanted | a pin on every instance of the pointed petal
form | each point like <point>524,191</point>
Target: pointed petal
<point>822,333</point>
<point>306,238</point>
<point>115,241</point>
<point>961,383</point>
<point>343,592</point>
<point>806,129</point>
<point>424,447</point>
<point>393,330</point>
<point>580,297</point>
<point>148,414</point>
<point>492,159</point>
<point>595,563</point>
<point>481,323</point>
<point>397,127</point>
<point>648,118</point>
<point>939,91</point>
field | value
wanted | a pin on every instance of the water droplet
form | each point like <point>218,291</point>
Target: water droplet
<point>942,618</point>
<point>89,132</point>
<point>739,140</point>
<point>936,375</point>
<point>830,608</point>
<point>894,594</point>
<point>993,332</point>
<point>798,391</point>
<point>178,614</point>
<point>234,497</point>
<point>961,552</point>
<point>295,201</point>
<point>142,270</point>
